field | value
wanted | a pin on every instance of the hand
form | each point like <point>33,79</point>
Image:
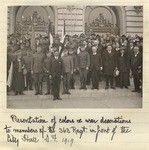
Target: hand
<point>101,68</point>
<point>50,77</point>
<point>47,71</point>
<point>32,72</point>
<point>61,77</point>
<point>87,68</point>
<point>71,72</point>
<point>23,66</point>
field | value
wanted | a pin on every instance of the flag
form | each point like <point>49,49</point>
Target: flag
<point>10,75</point>
<point>63,32</point>
<point>50,34</point>
<point>33,39</point>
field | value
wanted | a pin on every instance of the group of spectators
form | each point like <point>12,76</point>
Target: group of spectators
<point>111,58</point>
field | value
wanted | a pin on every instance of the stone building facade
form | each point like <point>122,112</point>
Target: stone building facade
<point>76,19</point>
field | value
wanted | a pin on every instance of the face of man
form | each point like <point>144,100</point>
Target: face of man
<point>122,51</point>
<point>109,49</point>
<point>65,53</point>
<point>95,43</point>
<point>85,43</point>
<point>38,50</point>
<point>82,48</point>
<point>48,54</point>
<point>94,49</point>
<point>136,50</point>
<point>22,46</point>
<point>56,41</point>
<point>56,54</point>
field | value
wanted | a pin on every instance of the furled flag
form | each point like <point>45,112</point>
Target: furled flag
<point>10,75</point>
<point>63,32</point>
<point>50,34</point>
<point>33,39</point>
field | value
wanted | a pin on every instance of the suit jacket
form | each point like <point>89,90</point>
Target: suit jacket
<point>56,67</point>
<point>83,59</point>
<point>67,63</point>
<point>96,61</point>
<point>46,64</point>
<point>136,61</point>
<point>123,63</point>
<point>109,62</point>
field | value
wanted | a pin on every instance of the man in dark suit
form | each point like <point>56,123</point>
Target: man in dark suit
<point>136,63</point>
<point>109,65</point>
<point>37,70</point>
<point>95,67</point>
<point>56,71</point>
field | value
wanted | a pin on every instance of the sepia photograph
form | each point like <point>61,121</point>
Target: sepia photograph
<point>74,57</point>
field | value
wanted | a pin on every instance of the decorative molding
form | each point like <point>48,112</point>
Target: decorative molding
<point>138,9</point>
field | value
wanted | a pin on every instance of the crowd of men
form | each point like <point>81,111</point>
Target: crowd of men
<point>113,59</point>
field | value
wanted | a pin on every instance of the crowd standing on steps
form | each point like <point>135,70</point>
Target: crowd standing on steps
<point>94,58</point>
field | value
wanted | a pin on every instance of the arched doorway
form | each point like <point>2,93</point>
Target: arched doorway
<point>21,18</point>
<point>103,19</point>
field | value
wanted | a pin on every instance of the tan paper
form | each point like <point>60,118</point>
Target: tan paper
<point>76,133</point>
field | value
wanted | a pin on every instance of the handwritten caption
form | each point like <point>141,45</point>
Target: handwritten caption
<point>35,129</point>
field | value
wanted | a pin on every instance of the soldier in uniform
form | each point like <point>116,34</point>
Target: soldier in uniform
<point>56,71</point>
<point>83,63</point>
<point>28,76</point>
<point>37,70</point>
<point>72,77</point>
<point>68,70</point>
<point>46,67</point>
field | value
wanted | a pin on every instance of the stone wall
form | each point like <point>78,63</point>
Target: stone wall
<point>134,21</point>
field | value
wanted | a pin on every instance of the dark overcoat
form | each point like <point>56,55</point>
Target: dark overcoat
<point>18,83</point>
<point>109,62</point>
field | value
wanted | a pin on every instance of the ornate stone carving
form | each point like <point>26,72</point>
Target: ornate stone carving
<point>101,25</point>
<point>138,9</point>
<point>38,22</point>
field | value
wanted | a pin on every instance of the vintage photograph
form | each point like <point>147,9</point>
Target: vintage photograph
<point>74,57</point>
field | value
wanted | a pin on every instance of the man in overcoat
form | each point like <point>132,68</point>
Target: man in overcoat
<point>56,72</point>
<point>136,63</point>
<point>109,65</point>
<point>96,66</point>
